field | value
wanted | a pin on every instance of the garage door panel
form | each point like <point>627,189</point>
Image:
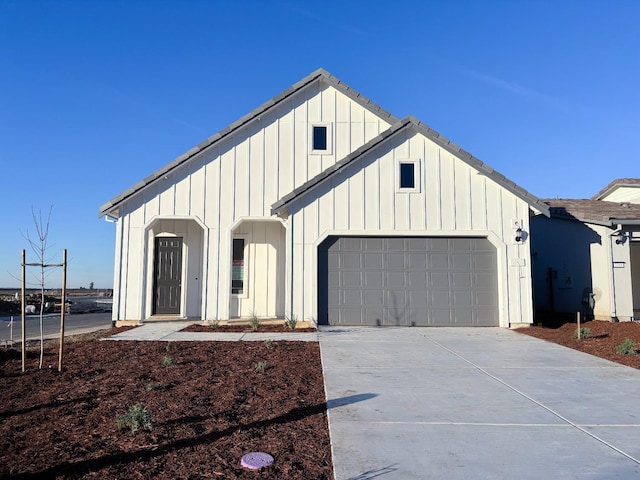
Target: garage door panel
<point>417,244</point>
<point>484,298</point>
<point>373,316</point>
<point>463,317</point>
<point>440,317</point>
<point>351,279</point>
<point>441,298</point>
<point>373,260</point>
<point>333,261</point>
<point>416,261</point>
<point>485,317</point>
<point>395,279</point>
<point>462,299</point>
<point>351,297</point>
<point>395,260</point>
<point>373,297</point>
<point>372,244</point>
<point>397,244</point>
<point>408,281</point>
<point>461,262</point>
<point>438,261</point>
<point>351,261</point>
<point>373,279</point>
<point>417,280</point>
<point>417,298</point>
<point>485,261</point>
<point>461,280</point>
<point>439,280</point>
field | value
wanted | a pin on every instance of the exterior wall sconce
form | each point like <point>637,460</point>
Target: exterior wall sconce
<point>519,235</point>
<point>620,238</point>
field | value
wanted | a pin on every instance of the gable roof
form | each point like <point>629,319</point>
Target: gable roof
<point>110,208</point>
<point>413,123</point>
<point>618,182</point>
<point>598,212</point>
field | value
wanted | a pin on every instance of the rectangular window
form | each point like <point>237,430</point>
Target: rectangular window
<point>237,267</point>
<point>320,137</point>
<point>407,175</point>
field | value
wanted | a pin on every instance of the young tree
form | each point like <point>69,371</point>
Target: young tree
<point>39,248</point>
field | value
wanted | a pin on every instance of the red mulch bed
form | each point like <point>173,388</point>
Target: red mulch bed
<point>241,328</point>
<point>605,337</point>
<point>209,407</point>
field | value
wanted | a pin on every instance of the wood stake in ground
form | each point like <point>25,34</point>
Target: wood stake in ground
<point>64,306</point>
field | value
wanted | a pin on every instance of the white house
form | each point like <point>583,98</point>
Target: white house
<point>586,256</point>
<point>322,206</point>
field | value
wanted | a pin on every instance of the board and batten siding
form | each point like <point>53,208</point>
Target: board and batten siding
<point>453,199</point>
<point>238,177</point>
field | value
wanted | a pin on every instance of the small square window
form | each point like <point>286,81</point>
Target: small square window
<point>320,137</point>
<point>407,175</point>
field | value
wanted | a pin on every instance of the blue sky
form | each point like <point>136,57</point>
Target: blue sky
<point>96,95</point>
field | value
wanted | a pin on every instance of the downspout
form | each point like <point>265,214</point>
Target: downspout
<point>612,282</point>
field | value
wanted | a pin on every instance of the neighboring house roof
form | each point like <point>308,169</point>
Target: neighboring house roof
<point>319,75</point>
<point>619,182</point>
<point>402,125</point>
<point>595,211</point>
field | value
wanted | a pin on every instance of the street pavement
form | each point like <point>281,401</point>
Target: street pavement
<point>73,324</point>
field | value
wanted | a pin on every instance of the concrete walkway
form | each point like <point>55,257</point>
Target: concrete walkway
<point>170,332</point>
<point>483,403</point>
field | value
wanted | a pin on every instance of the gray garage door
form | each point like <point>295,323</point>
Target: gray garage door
<point>407,281</point>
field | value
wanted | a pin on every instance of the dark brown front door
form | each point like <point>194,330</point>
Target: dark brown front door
<point>167,276</point>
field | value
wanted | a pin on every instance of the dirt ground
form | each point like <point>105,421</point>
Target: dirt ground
<point>209,404</point>
<point>605,337</point>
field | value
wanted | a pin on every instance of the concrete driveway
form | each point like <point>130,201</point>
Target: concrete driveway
<point>483,403</point>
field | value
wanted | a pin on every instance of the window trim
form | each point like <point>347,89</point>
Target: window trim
<point>329,127</point>
<point>416,175</point>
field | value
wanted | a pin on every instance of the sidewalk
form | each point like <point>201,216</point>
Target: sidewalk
<point>170,332</point>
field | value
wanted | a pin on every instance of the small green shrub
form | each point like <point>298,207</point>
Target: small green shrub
<point>268,343</point>
<point>213,324</point>
<point>169,347</point>
<point>628,347</point>
<point>167,360</point>
<point>260,366</point>
<point>254,321</point>
<point>137,417</point>
<point>290,322</point>
<point>584,333</point>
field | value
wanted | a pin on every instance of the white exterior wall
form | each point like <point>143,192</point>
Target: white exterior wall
<point>624,194</point>
<point>454,200</point>
<point>238,178</point>
<point>586,259</point>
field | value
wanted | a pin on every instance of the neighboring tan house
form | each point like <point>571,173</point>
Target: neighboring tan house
<point>586,257</point>
<point>320,205</point>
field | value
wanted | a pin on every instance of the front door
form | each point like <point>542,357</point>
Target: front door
<point>167,276</point>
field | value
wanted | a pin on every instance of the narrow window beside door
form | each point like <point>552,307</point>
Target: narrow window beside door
<point>237,267</point>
